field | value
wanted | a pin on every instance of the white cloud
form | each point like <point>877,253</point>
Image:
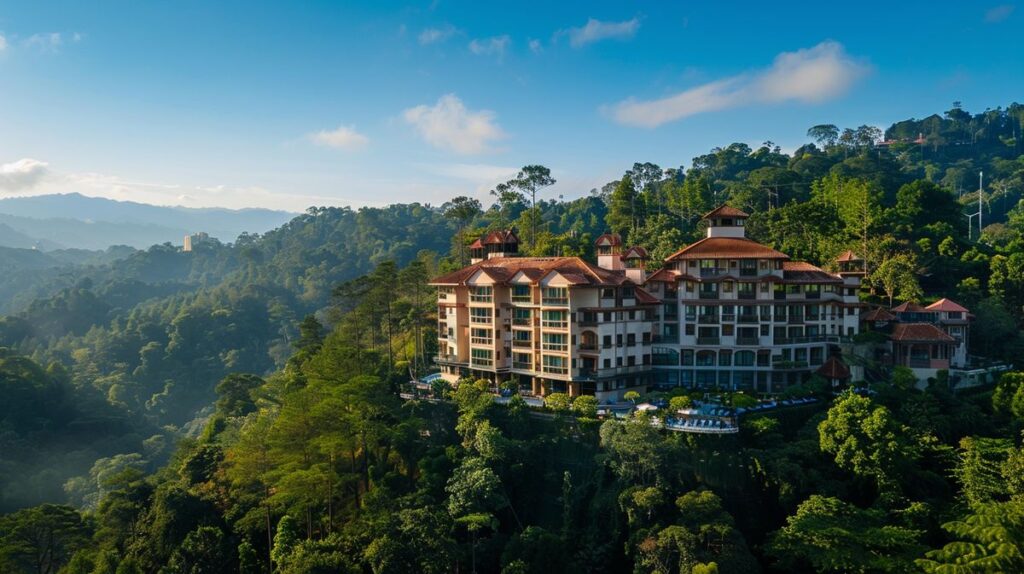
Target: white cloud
<point>3,43</point>
<point>434,35</point>
<point>49,42</point>
<point>998,13</point>
<point>494,46</point>
<point>344,137</point>
<point>22,174</point>
<point>595,31</point>
<point>535,46</point>
<point>810,75</point>
<point>448,124</point>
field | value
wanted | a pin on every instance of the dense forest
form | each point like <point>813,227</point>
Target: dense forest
<point>236,408</point>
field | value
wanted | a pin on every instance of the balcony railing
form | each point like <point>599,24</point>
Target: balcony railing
<point>709,340</point>
<point>713,271</point>
<point>520,343</point>
<point>746,294</point>
<point>744,318</point>
<point>556,347</point>
<point>481,341</point>
<point>708,319</point>
<point>748,340</point>
<point>588,346</point>
<point>478,362</point>
<point>555,301</point>
<point>702,294</point>
<point>748,272</point>
<point>481,320</point>
<point>522,366</point>
<point>555,370</point>
<point>554,324</point>
<point>449,360</point>
<point>813,294</point>
<point>521,322</point>
<point>728,317</point>
<point>609,372</point>
<point>795,319</point>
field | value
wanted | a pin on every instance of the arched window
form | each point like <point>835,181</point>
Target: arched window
<point>744,358</point>
<point>705,358</point>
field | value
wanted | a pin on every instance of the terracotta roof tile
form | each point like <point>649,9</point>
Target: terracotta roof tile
<point>612,239</point>
<point>946,305</point>
<point>502,236</point>
<point>645,298</point>
<point>919,332</point>
<point>476,245</point>
<point>726,248</point>
<point>908,307</point>
<point>878,314</point>
<point>846,256</point>
<point>725,211</point>
<point>834,369</point>
<point>803,272</point>
<point>635,252</point>
<point>502,269</point>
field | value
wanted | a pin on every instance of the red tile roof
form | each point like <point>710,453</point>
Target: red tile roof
<point>645,298</point>
<point>726,248</point>
<point>908,307</point>
<point>725,211</point>
<point>848,255</point>
<point>925,332</point>
<point>502,236</point>
<point>834,369</point>
<point>635,252</point>
<point>803,272</point>
<point>946,305</point>
<point>502,269</point>
<point>476,245</point>
<point>878,314</point>
<point>612,239</point>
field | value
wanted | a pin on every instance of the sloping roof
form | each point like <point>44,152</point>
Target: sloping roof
<point>645,298</point>
<point>502,269</point>
<point>848,255</point>
<point>908,307</point>
<point>878,314</point>
<point>502,236</point>
<point>612,239</point>
<point>919,332</point>
<point>725,248</point>
<point>834,369</point>
<point>946,305</point>
<point>664,274</point>
<point>803,272</point>
<point>725,211</point>
<point>635,252</point>
<point>476,245</point>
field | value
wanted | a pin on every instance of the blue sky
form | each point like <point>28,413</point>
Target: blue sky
<point>285,105</point>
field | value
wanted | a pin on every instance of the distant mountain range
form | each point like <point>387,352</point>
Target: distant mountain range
<point>50,222</point>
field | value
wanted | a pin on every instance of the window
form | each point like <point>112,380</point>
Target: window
<point>481,357</point>
<point>705,358</point>
<point>520,293</point>
<point>555,365</point>
<point>480,315</point>
<point>744,358</point>
<point>484,294</point>
<point>481,337</point>
<point>554,320</point>
<point>522,361</point>
<point>727,287</point>
<point>522,339</point>
<point>724,358</point>
<point>555,296</point>
<point>764,287</point>
<point>686,357</point>
<point>554,342</point>
<point>521,317</point>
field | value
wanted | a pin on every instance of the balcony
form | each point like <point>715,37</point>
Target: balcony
<point>709,340</point>
<point>743,318</point>
<point>795,320</point>
<point>522,322</point>
<point>713,271</point>
<point>482,363</point>
<point>555,347</point>
<point>484,341</point>
<point>748,272</point>
<point>728,317</point>
<point>813,294</point>
<point>521,344</point>
<point>522,366</point>
<point>704,294</point>
<point>555,301</point>
<point>553,370</point>
<point>449,360</point>
<point>748,340</point>
<point>746,295</point>
<point>610,372</point>
<point>780,296</point>
<point>780,364</point>
<point>554,324</point>
<point>708,319</point>
<point>592,347</point>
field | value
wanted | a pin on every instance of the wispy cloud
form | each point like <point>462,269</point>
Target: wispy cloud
<point>448,124</point>
<point>535,46</point>
<point>596,30</point>
<point>23,174</point>
<point>435,35</point>
<point>998,13</point>
<point>494,46</point>
<point>3,43</point>
<point>810,75</point>
<point>51,41</point>
<point>344,137</point>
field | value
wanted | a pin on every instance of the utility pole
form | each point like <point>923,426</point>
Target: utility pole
<point>970,217</point>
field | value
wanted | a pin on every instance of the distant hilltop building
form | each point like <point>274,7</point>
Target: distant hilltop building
<point>194,239</point>
<point>725,312</point>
